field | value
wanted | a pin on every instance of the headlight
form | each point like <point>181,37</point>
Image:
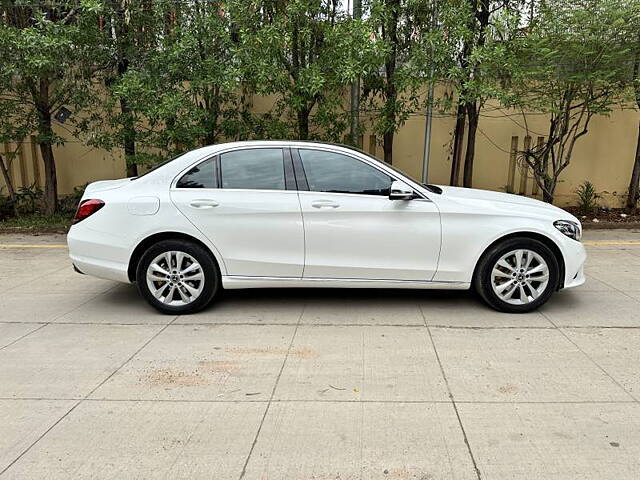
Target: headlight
<point>569,228</point>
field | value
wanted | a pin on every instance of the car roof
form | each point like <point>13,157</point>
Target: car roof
<point>290,143</point>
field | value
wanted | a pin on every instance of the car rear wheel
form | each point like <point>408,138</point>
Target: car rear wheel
<point>517,275</point>
<point>177,276</point>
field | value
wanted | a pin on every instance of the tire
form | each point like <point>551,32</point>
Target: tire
<point>184,293</point>
<point>495,282</point>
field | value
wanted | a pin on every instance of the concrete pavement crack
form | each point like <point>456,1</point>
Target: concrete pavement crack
<point>451,397</point>
<point>273,392</point>
<point>563,333</point>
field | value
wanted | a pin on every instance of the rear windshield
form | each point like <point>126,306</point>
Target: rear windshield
<point>157,166</point>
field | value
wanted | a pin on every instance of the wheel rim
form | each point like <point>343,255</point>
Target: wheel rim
<point>175,278</point>
<point>520,277</point>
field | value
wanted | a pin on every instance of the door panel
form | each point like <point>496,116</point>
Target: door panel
<point>369,237</point>
<point>257,229</point>
<point>258,232</point>
<point>353,230</point>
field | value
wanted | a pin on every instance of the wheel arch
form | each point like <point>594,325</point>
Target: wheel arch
<point>145,243</point>
<point>534,236</point>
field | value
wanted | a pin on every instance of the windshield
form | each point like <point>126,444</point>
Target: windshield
<point>431,188</point>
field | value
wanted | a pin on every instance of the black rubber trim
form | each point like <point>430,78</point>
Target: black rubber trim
<point>289,175</point>
<point>77,270</point>
<point>301,177</point>
<point>217,170</point>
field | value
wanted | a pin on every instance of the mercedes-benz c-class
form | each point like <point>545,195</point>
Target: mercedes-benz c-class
<point>301,214</point>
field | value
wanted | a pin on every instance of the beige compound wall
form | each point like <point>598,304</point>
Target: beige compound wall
<point>604,156</point>
<point>76,164</point>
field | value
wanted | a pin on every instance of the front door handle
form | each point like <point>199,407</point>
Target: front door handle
<point>324,204</point>
<point>204,203</point>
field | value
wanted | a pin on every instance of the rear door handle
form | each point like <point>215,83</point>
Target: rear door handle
<point>204,203</point>
<point>324,204</point>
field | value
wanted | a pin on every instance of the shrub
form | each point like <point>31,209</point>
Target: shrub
<point>69,203</point>
<point>29,200</point>
<point>587,198</point>
<point>7,208</point>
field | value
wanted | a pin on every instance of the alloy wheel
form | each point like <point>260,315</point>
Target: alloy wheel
<point>175,278</point>
<point>520,276</point>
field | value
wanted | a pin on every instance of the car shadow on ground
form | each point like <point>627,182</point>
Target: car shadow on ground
<point>277,305</point>
<point>341,295</point>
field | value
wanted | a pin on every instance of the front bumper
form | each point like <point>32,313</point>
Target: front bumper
<point>575,256</point>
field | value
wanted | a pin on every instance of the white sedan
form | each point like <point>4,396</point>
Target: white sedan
<point>301,214</point>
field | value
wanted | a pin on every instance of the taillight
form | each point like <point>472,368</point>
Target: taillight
<point>87,208</point>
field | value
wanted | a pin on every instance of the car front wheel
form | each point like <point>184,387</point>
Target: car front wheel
<point>177,276</point>
<point>517,275</point>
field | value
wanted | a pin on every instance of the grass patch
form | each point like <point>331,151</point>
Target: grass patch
<point>36,222</point>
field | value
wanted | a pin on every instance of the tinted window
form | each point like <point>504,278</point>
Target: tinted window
<point>333,172</point>
<point>201,176</point>
<point>257,169</point>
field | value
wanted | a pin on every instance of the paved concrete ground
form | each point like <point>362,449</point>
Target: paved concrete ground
<point>317,384</point>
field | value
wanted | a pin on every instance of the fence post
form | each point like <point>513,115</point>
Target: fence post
<point>23,167</point>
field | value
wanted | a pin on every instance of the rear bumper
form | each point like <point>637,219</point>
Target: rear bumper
<point>91,255</point>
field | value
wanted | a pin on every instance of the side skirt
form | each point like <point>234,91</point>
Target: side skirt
<point>236,282</point>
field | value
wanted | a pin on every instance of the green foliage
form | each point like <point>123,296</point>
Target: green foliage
<point>36,222</point>
<point>574,64</point>
<point>587,198</point>
<point>42,47</point>
<point>577,51</point>
<point>69,203</point>
<point>29,204</point>
<point>49,52</point>
<point>127,35</point>
<point>412,48</point>
<point>159,77</point>
<point>28,200</point>
<point>304,52</point>
<point>476,54</point>
<point>6,208</point>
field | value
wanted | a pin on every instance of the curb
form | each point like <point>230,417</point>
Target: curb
<point>611,226</point>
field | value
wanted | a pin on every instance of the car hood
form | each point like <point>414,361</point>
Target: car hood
<point>507,200</point>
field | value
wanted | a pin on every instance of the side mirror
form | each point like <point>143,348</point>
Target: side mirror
<point>400,191</point>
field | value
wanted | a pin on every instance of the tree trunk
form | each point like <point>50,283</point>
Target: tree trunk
<point>128,141</point>
<point>634,184</point>
<point>387,147</point>
<point>45,142</point>
<point>390,35</point>
<point>458,137</point>
<point>129,132</point>
<point>50,179</point>
<point>212,107</point>
<point>303,124</point>
<point>473,116</point>
<point>549,189</point>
